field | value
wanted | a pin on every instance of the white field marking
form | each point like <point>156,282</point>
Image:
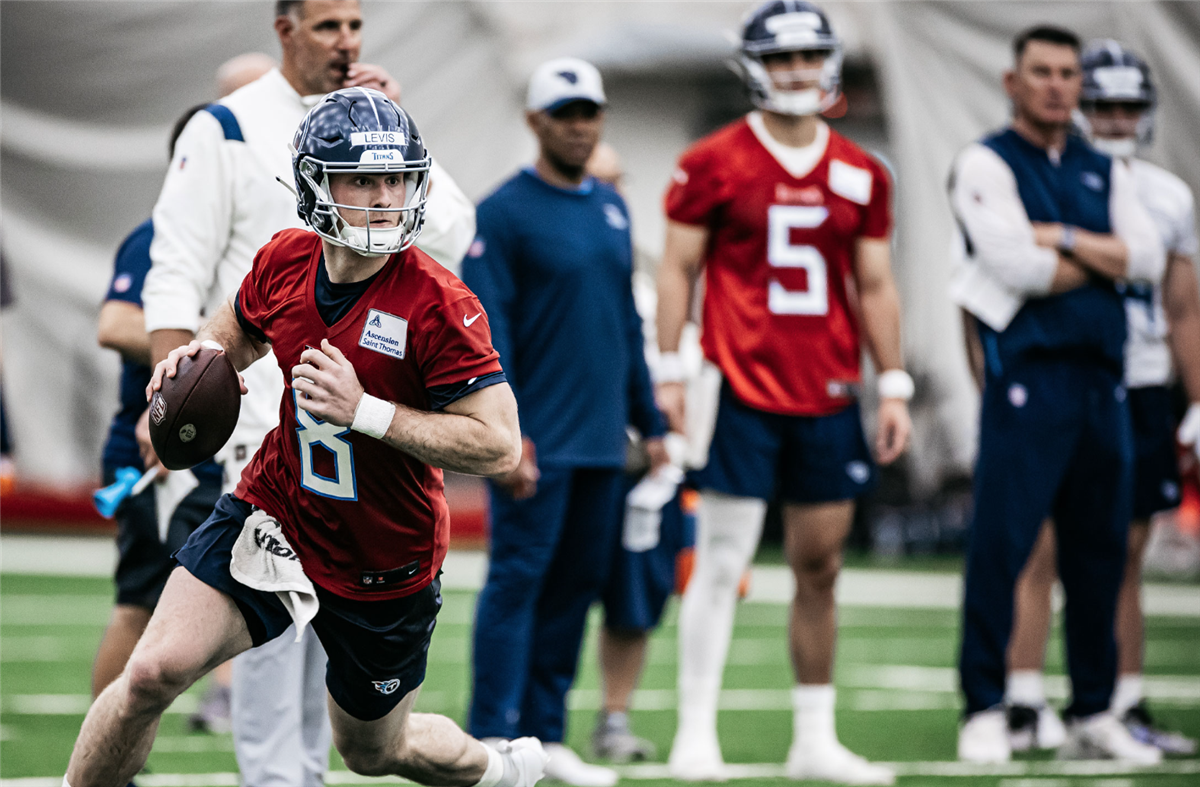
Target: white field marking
<point>74,704</point>
<point>467,569</point>
<point>7,733</point>
<point>62,556</point>
<point>657,771</point>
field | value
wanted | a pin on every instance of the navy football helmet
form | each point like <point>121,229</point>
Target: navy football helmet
<point>789,26</point>
<point>359,130</point>
<point>1114,74</point>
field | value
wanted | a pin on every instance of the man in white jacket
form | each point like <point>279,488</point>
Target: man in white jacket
<point>219,204</point>
<point>1051,231</point>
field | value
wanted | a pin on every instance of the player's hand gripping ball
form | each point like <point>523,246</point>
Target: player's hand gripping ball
<point>193,414</point>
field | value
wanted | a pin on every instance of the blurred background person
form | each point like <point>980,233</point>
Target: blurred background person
<point>648,542</point>
<point>552,265</point>
<point>791,223</point>
<point>182,501</point>
<point>1118,101</point>
<point>219,204</point>
<point>1049,226</point>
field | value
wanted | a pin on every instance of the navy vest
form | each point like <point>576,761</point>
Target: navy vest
<point>1086,323</point>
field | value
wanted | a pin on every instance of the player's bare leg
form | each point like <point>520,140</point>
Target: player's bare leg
<point>813,536</point>
<point>431,749</point>
<point>727,532</point>
<point>1031,724</point>
<point>120,638</point>
<point>194,628</point>
<point>622,657</point>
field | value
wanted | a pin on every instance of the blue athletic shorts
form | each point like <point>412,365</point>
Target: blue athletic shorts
<point>1156,468</point>
<point>377,649</point>
<point>800,459</point>
<point>640,583</point>
<point>144,561</point>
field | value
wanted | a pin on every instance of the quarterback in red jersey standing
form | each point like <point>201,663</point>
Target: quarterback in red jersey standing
<point>790,223</point>
<point>340,517</point>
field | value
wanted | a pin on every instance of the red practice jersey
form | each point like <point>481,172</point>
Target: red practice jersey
<point>779,310</point>
<point>367,520</point>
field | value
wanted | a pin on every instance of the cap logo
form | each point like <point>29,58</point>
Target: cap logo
<point>360,138</point>
<point>1118,81</point>
<point>569,76</point>
<point>796,27</point>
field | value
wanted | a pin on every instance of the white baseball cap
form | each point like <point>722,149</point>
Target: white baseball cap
<point>561,81</point>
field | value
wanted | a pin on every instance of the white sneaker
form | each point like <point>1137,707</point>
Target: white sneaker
<point>1102,736</point>
<point>1034,728</point>
<point>835,763</point>
<point>696,758</point>
<point>528,759</point>
<point>566,767</point>
<point>983,738</point>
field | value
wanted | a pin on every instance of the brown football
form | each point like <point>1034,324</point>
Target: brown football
<point>194,413</point>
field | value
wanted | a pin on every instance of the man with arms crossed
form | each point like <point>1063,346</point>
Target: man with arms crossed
<point>1118,102</point>
<point>351,311</point>
<point>220,203</point>
<point>1049,227</point>
<point>782,213</point>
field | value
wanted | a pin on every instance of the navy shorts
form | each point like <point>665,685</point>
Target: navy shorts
<point>377,649</point>
<point>800,459</point>
<point>143,561</point>
<point>641,582</point>
<point>1156,467</point>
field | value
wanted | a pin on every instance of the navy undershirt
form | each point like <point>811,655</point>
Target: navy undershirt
<point>334,301</point>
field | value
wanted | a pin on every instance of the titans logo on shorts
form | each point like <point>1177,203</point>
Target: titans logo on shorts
<point>803,459</point>
<point>377,649</point>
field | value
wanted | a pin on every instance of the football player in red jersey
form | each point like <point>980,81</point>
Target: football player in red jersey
<point>341,516</point>
<point>791,224</point>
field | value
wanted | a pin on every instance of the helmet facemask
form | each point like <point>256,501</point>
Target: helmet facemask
<point>327,218</point>
<point>765,93</point>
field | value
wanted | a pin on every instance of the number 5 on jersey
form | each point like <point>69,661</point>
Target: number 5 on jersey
<point>781,253</point>
<point>313,432</point>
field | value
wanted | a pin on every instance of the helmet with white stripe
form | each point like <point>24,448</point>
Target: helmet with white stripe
<point>359,130</point>
<point>1113,74</point>
<point>782,26</point>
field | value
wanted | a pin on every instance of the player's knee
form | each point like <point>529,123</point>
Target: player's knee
<point>152,684</point>
<point>366,760</point>
<point>818,573</point>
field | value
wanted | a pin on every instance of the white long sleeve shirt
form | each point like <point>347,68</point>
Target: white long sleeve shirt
<point>220,203</point>
<point>1006,266</point>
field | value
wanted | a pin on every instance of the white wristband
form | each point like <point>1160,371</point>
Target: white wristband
<point>209,344</point>
<point>373,416</point>
<point>670,368</point>
<point>896,384</point>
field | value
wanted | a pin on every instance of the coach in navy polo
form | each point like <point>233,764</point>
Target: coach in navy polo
<point>1051,229</point>
<point>552,265</point>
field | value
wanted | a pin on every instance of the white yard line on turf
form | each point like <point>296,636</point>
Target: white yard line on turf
<point>1051,768</point>
<point>465,570</point>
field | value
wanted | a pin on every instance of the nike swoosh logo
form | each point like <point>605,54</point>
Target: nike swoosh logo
<point>467,323</point>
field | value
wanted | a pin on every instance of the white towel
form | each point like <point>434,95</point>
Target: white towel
<point>264,560</point>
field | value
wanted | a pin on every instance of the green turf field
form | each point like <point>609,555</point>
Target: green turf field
<point>895,671</point>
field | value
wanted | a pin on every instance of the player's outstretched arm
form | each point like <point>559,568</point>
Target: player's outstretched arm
<point>881,327</point>
<point>123,328</point>
<point>478,434</point>
<point>683,255</point>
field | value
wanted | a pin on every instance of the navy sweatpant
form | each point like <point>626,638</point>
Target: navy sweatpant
<point>550,557</point>
<point>1055,440</point>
